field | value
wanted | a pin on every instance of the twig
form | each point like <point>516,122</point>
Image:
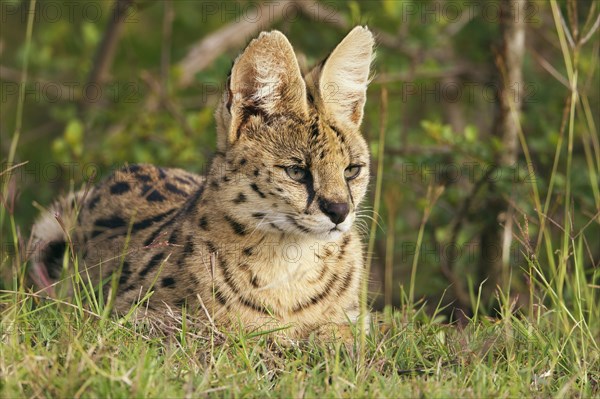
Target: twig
<point>591,32</point>
<point>12,167</point>
<point>209,48</point>
<point>566,29</point>
<point>106,50</point>
<point>447,264</point>
<point>165,58</point>
<point>548,67</point>
<point>572,14</point>
<point>317,11</point>
<point>230,36</point>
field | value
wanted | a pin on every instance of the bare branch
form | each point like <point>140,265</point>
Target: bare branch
<point>234,35</point>
<point>316,11</point>
<point>106,50</point>
<point>165,57</point>
<point>509,61</point>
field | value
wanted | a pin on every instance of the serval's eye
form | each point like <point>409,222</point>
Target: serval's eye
<point>296,173</point>
<point>352,172</point>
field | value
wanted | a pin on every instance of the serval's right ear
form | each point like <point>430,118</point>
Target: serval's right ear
<point>265,81</point>
<point>342,79</point>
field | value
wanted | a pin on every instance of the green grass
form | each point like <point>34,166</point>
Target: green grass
<point>53,349</point>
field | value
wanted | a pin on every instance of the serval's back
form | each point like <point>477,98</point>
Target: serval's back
<point>266,238</point>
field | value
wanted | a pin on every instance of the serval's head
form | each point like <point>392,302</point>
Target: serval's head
<point>292,142</point>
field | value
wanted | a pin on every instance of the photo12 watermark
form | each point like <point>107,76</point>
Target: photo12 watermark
<point>459,10</point>
<point>267,12</point>
<point>70,11</point>
<point>470,92</point>
<point>453,172</point>
<point>70,91</point>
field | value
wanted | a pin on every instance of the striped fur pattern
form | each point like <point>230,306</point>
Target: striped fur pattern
<point>266,238</point>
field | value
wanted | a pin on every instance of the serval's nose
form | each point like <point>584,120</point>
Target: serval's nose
<point>337,211</point>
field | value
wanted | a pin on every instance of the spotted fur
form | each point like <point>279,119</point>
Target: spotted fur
<point>254,241</point>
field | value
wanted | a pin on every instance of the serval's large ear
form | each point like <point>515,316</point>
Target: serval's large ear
<point>343,78</point>
<point>265,81</point>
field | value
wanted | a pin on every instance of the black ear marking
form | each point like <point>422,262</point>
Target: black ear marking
<point>229,93</point>
<point>248,110</point>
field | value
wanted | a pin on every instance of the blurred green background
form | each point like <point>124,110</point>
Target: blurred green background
<point>433,99</point>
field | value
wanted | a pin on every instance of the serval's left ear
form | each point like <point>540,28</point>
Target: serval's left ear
<point>343,79</point>
<point>265,81</point>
